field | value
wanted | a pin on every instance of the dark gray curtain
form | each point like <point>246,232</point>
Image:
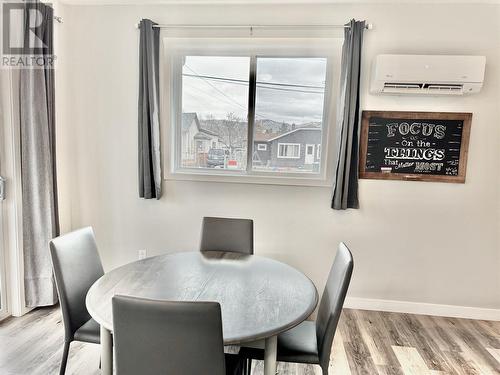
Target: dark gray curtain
<point>345,192</point>
<point>149,119</point>
<point>38,163</point>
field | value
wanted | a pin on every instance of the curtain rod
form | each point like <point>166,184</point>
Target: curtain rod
<point>368,26</point>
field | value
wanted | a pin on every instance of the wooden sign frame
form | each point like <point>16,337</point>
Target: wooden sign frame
<point>464,146</point>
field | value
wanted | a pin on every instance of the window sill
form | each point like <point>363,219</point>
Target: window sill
<point>240,178</point>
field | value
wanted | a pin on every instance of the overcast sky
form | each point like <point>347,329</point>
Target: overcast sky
<point>278,103</point>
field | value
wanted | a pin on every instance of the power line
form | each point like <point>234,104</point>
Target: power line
<point>289,90</point>
<point>245,83</point>
<point>262,115</point>
<point>206,79</point>
<point>267,115</point>
<point>210,95</point>
<point>215,78</point>
<point>223,94</point>
<point>215,88</point>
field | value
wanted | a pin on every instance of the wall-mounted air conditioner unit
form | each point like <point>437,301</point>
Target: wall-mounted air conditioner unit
<point>427,74</point>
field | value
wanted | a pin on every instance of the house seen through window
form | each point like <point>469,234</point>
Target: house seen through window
<point>277,102</point>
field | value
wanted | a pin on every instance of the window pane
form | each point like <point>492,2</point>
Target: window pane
<point>289,114</point>
<point>214,112</point>
<point>288,151</point>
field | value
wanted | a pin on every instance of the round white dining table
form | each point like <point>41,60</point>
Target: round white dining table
<point>259,297</point>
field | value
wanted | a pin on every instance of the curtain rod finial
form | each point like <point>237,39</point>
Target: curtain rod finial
<point>369,26</point>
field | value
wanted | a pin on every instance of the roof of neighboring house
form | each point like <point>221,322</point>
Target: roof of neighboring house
<point>264,137</point>
<point>202,135</point>
<point>209,132</point>
<point>310,127</point>
<point>187,120</point>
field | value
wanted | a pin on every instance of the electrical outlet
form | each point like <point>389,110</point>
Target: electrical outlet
<point>142,254</point>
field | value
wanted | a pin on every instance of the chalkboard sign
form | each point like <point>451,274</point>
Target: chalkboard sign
<point>420,146</point>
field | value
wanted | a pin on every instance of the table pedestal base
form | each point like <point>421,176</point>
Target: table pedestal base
<point>106,352</point>
<point>270,352</point>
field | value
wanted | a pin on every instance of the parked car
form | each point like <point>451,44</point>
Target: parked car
<point>216,158</point>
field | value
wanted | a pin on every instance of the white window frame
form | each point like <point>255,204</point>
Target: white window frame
<point>262,147</point>
<point>288,144</point>
<point>171,82</point>
<point>318,151</point>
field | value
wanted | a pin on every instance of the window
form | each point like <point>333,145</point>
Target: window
<point>289,105</point>
<point>214,112</point>
<point>230,103</point>
<point>289,150</point>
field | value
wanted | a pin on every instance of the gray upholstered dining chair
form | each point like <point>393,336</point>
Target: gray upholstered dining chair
<point>77,266</point>
<point>227,234</point>
<point>311,342</point>
<point>166,337</point>
<point>224,234</point>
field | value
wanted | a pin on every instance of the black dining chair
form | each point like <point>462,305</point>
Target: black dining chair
<point>311,342</point>
<point>224,234</point>
<point>76,266</point>
<point>166,337</point>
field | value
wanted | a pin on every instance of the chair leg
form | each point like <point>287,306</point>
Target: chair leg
<point>64,359</point>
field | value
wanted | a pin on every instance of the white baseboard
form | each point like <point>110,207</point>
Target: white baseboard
<point>422,308</point>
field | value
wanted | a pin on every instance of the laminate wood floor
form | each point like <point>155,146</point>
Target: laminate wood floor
<point>367,342</point>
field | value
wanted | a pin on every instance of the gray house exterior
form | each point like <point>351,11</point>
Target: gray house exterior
<point>297,149</point>
<point>262,149</point>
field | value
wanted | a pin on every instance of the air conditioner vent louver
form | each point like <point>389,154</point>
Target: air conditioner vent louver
<point>402,85</point>
<point>444,87</point>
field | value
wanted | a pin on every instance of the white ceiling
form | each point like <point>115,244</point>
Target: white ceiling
<point>207,2</point>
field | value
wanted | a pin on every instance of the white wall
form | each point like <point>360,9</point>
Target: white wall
<point>412,241</point>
